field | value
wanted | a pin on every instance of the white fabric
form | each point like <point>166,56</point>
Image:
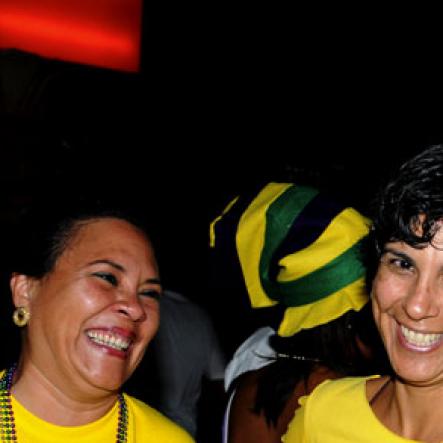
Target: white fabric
<point>226,418</point>
<point>254,353</point>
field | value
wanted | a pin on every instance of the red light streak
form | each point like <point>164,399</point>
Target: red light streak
<point>62,38</point>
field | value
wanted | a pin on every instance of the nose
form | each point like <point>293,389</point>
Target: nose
<point>129,305</point>
<point>422,301</point>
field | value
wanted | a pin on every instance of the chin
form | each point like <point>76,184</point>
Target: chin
<point>109,382</point>
<point>416,375</point>
<point>106,376</point>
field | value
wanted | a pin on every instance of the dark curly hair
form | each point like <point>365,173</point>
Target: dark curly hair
<point>412,197</point>
<point>415,192</point>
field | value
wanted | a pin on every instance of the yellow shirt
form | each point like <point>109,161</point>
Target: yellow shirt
<point>338,412</point>
<point>146,425</point>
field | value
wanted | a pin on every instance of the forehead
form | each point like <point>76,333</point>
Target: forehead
<point>106,236</point>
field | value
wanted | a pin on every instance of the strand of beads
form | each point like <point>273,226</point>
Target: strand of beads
<point>122,426</point>
<point>7,422</point>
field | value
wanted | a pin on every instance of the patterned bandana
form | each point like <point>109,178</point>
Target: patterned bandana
<point>297,247</point>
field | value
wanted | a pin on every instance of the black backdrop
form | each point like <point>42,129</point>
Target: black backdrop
<point>224,99</point>
<point>227,95</point>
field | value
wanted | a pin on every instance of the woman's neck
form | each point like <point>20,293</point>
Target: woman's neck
<point>60,405</point>
<point>414,412</point>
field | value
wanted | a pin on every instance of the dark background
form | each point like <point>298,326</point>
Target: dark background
<point>228,95</point>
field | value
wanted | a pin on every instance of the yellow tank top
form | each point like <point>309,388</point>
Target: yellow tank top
<point>338,411</point>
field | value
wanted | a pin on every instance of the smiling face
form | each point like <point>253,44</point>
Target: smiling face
<point>407,301</point>
<point>93,315</point>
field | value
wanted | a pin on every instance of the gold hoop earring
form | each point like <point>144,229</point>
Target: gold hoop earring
<point>21,316</point>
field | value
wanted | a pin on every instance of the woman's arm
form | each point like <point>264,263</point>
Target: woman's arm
<point>245,426</point>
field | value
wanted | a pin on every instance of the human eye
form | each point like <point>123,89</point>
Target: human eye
<point>398,264</point>
<point>151,293</point>
<point>107,276</point>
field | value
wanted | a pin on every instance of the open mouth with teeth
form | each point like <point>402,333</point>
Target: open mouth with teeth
<point>420,339</point>
<point>115,343</point>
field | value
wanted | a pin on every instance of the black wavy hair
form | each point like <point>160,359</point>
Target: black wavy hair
<point>415,191</point>
<point>46,228</point>
<point>412,197</point>
<point>333,345</point>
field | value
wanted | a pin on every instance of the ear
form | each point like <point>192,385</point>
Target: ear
<point>23,289</point>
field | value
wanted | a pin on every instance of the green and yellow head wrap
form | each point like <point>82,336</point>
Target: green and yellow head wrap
<point>298,247</point>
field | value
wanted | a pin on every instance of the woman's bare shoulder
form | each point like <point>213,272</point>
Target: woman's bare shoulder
<point>245,425</point>
<point>373,386</point>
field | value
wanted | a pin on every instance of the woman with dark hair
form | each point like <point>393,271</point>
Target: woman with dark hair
<point>85,286</point>
<point>406,281</point>
<point>299,249</point>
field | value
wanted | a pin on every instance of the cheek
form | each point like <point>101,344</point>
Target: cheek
<point>386,291</point>
<point>151,324</point>
<point>154,321</point>
<point>53,303</point>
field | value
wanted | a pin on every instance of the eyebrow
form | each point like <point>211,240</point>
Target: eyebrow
<point>108,262</point>
<point>153,280</point>
<point>119,267</point>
